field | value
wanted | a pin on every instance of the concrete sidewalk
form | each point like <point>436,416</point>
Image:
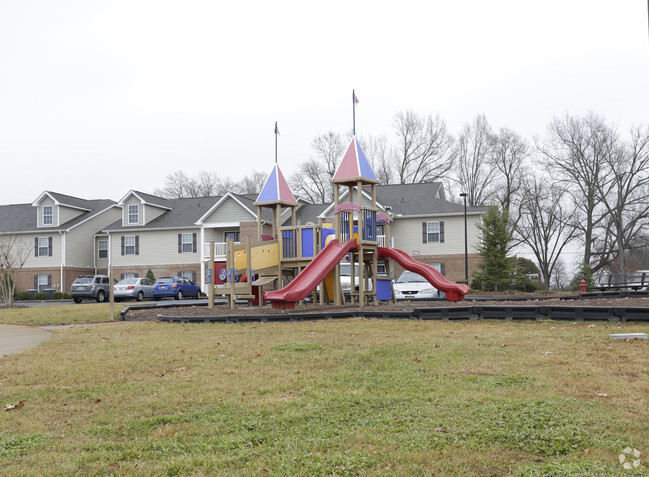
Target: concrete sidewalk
<point>15,338</point>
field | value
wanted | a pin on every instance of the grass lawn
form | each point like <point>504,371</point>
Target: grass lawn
<point>59,314</point>
<point>336,397</point>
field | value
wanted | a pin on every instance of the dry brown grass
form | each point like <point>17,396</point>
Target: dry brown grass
<point>347,397</point>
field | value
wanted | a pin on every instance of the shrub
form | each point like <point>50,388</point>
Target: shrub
<point>22,296</point>
<point>39,296</point>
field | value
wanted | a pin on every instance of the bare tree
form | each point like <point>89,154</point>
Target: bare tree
<point>508,157</point>
<point>312,181</point>
<point>252,183</point>
<point>13,256</point>
<point>424,150</point>
<point>475,168</point>
<point>560,276</point>
<point>329,148</point>
<point>576,154</point>
<point>545,225</point>
<point>625,194</point>
<point>179,185</point>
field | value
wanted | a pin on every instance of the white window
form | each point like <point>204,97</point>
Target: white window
<point>133,214</point>
<point>234,236</point>
<point>129,245</point>
<point>48,214</point>
<point>187,243</point>
<point>188,275</point>
<point>43,246</point>
<point>43,282</point>
<point>432,231</point>
<point>102,248</point>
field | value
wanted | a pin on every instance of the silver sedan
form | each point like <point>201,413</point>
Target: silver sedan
<point>133,288</point>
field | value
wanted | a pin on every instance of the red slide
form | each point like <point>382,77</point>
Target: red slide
<point>454,291</point>
<point>313,273</point>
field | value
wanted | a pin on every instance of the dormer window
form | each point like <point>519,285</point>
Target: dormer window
<point>133,214</point>
<point>48,215</point>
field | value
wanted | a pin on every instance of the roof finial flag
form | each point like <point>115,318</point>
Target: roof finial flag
<point>354,101</point>
<point>276,134</point>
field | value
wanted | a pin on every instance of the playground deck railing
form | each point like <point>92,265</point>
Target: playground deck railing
<point>220,250</point>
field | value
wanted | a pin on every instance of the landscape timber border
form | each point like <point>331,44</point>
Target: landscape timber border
<point>473,310</point>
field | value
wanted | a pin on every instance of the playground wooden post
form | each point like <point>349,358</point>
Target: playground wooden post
<point>210,286</point>
<point>230,272</point>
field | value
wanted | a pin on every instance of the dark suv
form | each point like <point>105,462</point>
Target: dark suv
<point>91,286</point>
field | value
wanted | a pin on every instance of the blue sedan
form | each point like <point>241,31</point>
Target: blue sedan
<point>176,287</point>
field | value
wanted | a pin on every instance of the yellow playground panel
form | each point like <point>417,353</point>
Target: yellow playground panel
<point>263,255</point>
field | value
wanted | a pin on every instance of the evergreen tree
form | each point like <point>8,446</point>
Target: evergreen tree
<point>583,273</point>
<point>150,275</point>
<point>496,270</point>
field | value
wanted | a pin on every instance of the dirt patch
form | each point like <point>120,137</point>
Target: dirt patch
<point>222,310</point>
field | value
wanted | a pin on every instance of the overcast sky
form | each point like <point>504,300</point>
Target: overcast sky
<point>100,97</point>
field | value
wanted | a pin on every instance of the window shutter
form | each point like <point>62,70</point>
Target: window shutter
<point>194,277</point>
<point>121,276</point>
<point>35,246</point>
<point>35,282</point>
<point>49,281</point>
<point>136,275</point>
<point>49,246</point>
<point>442,269</point>
<point>424,232</point>
<point>180,243</point>
<point>180,274</point>
<point>194,242</point>
<point>123,245</point>
<point>137,245</point>
<point>441,231</point>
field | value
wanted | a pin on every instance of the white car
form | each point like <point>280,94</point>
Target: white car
<point>346,279</point>
<point>412,286</point>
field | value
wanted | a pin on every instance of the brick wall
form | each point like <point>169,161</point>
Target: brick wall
<point>25,277</point>
<point>453,265</point>
<point>250,228</point>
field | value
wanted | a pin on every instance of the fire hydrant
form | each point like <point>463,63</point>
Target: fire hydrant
<point>583,285</point>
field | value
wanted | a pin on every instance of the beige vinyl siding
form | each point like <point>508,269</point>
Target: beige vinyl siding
<point>47,201</point>
<point>27,244</point>
<point>151,212</point>
<point>101,262</point>
<point>213,235</point>
<point>79,241</point>
<point>155,248</point>
<point>66,214</point>
<point>230,211</point>
<point>132,201</point>
<point>407,233</point>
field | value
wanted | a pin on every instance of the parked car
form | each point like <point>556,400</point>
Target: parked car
<point>412,286</point>
<point>346,279</point>
<point>177,287</point>
<point>96,287</point>
<point>133,288</point>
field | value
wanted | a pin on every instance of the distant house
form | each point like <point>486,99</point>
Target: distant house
<point>171,237</point>
<point>69,236</point>
<point>423,223</point>
<point>60,232</point>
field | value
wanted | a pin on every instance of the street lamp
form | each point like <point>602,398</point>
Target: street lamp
<point>466,243</point>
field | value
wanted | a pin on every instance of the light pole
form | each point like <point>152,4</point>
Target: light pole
<point>466,243</point>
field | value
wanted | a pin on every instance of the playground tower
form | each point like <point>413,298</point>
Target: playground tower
<point>354,173</point>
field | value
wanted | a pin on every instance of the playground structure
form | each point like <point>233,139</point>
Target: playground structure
<point>311,254</point>
<point>301,260</point>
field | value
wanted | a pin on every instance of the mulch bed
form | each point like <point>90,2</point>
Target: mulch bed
<point>177,310</point>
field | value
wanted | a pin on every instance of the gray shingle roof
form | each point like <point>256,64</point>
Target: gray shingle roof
<point>23,217</point>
